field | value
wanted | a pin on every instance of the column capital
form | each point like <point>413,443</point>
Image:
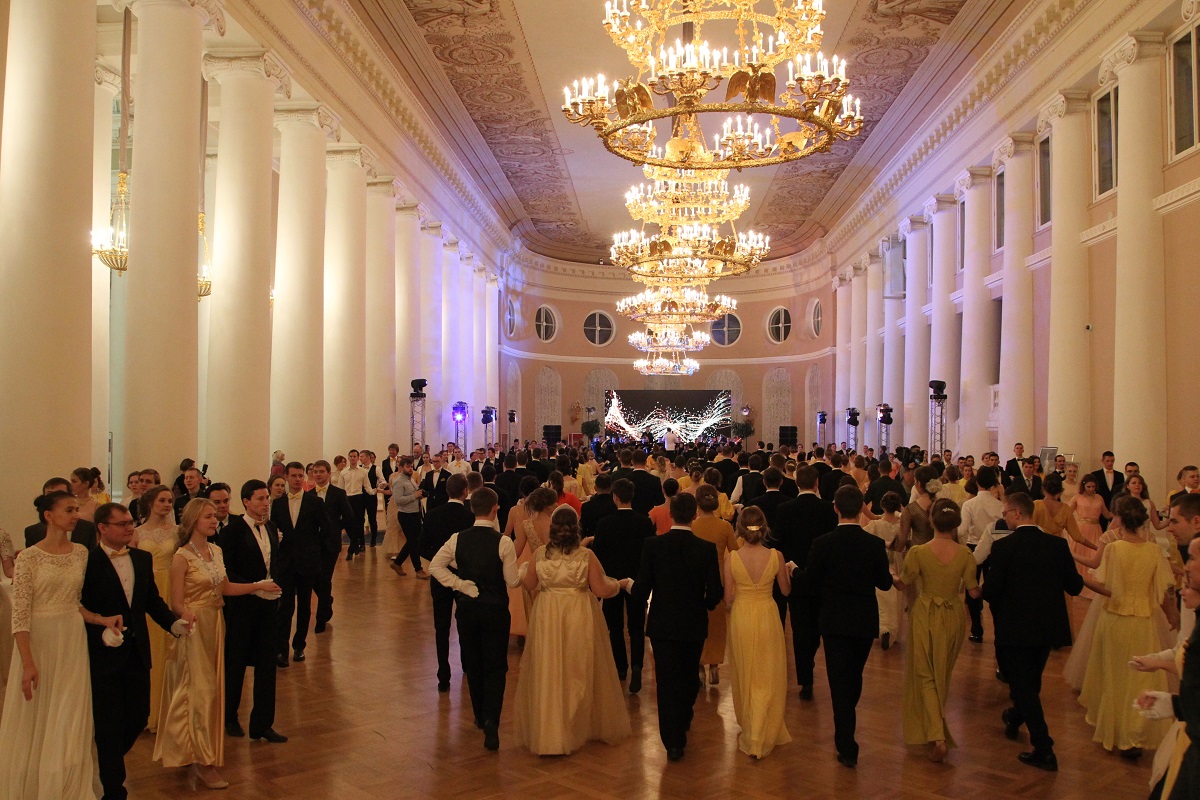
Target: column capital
<point>1015,145</point>
<point>405,207</point>
<point>865,262</point>
<point>449,241</point>
<point>938,204</point>
<point>970,178</point>
<point>212,10</point>
<point>1190,10</point>
<point>241,61</point>
<point>909,225</point>
<point>1068,101</point>
<point>344,155</point>
<point>386,185</point>
<point>307,112</point>
<point>430,226</point>
<point>842,278</point>
<point>492,280</point>
<point>107,77</point>
<point>1134,47</point>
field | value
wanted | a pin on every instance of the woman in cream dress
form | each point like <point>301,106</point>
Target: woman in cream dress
<point>7,557</point>
<point>157,536</point>
<point>887,527</point>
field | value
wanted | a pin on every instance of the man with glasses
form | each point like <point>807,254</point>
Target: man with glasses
<point>1028,573</point>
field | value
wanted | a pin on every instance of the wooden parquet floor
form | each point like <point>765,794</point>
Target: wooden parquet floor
<point>366,722</point>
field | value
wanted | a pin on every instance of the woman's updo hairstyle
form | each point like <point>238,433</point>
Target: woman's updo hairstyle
<point>48,502</point>
<point>1131,512</point>
<point>707,498</point>
<point>541,499</point>
<point>945,515</point>
<point>752,525</point>
<point>564,531</point>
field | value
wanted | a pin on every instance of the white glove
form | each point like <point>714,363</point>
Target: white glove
<point>112,639</point>
<point>468,588</point>
<point>180,627</point>
<point>626,584</point>
<point>791,567</point>
<point>1163,708</point>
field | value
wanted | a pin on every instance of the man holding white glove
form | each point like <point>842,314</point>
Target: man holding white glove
<point>120,581</point>
<point>484,565</point>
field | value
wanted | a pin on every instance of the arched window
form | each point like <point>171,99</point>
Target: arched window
<point>726,330</point>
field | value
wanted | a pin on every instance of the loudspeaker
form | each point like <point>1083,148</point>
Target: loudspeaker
<point>552,434</point>
<point>789,435</point>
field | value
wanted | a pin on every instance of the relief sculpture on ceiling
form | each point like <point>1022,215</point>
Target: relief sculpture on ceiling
<point>939,11</point>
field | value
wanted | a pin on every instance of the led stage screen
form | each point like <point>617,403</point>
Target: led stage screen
<point>690,413</point>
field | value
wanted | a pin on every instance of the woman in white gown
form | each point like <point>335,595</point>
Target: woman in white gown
<point>46,733</point>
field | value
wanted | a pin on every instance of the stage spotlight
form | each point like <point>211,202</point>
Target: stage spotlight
<point>937,390</point>
<point>418,387</point>
<point>460,411</point>
<point>852,417</point>
<point>512,415</point>
<point>488,416</point>
<point>745,410</point>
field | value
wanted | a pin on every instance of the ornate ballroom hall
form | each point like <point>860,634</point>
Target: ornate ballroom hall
<point>233,227</point>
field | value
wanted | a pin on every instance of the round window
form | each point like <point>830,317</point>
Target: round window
<point>726,330</point>
<point>598,328</point>
<point>545,324</point>
<point>779,325</point>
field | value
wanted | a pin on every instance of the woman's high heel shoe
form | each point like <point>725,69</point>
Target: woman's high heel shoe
<point>197,778</point>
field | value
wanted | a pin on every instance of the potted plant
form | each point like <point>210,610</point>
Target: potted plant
<point>743,430</point>
<point>590,429</point>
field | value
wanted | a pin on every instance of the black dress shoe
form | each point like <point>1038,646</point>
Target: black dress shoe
<point>674,753</point>
<point>281,661</point>
<point>232,728</point>
<point>976,637</point>
<point>622,675</point>
<point>269,735</point>
<point>479,723</point>
<point>1011,729</point>
<point>297,655</point>
<point>847,761</point>
<point>1133,753</point>
<point>443,686</point>
<point>1000,677</point>
<point>635,681</point>
<point>885,641</point>
<point>350,554</point>
<point>1045,761</point>
<point>491,736</point>
<point>806,692</point>
<point>319,627</point>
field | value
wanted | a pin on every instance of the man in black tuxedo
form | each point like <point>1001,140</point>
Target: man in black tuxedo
<point>1029,571</point>
<point>1109,482</point>
<point>441,523</point>
<point>304,540</point>
<point>682,572</point>
<point>510,479</point>
<point>798,523</point>
<point>484,567</point>
<point>772,496</point>
<point>1028,482</point>
<point>845,567</point>
<point>248,544</point>
<point>618,545</point>
<point>647,489</point>
<point>1013,468</point>
<point>886,482</point>
<point>85,531</point>
<point>750,485</point>
<point>433,485</point>
<point>787,485</point>
<point>391,463</point>
<point>119,581</point>
<point>340,514</point>
<point>598,506</point>
<point>830,481</point>
<point>727,465</point>
<point>506,501</point>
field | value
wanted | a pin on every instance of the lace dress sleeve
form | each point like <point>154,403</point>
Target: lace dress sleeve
<point>6,545</point>
<point>22,594</point>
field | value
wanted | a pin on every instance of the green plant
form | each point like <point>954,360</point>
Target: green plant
<point>743,430</point>
<point>590,428</point>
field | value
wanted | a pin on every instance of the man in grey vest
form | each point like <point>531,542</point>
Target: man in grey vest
<point>479,565</point>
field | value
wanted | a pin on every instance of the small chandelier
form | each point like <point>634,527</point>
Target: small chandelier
<point>676,338</point>
<point>686,197</point>
<point>204,277</point>
<point>675,306</point>
<point>666,363</point>
<point>687,254</point>
<point>684,68</point>
<point>111,244</point>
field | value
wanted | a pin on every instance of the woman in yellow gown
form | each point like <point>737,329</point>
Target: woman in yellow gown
<point>711,528</point>
<point>757,654</point>
<point>157,536</point>
<point>939,569</point>
<point>191,722</point>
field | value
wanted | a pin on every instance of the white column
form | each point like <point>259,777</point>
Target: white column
<point>298,317</point>
<point>381,312</point>
<point>45,215</point>
<point>431,331</point>
<point>479,353</point>
<point>893,339</point>
<point>492,346</point>
<point>1140,349</point>
<point>1016,334</point>
<point>874,348</point>
<point>451,327</point>
<point>944,333</point>
<point>1069,388</point>
<point>108,83</point>
<point>162,344</point>
<point>980,348</point>
<point>915,231</point>
<point>858,345</point>
<point>837,416</point>
<point>408,313</point>
<point>345,301</point>
<point>239,354</point>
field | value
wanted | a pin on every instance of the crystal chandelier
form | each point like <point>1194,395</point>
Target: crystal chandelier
<point>686,197</point>
<point>668,305</point>
<point>685,68</point>
<point>666,363</point>
<point>687,254</point>
<point>670,337</point>
<point>111,245</point>
<point>204,276</point>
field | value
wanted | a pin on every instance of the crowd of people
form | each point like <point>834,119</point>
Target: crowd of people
<point>150,611</point>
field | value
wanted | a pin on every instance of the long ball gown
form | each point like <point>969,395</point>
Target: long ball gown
<point>46,742</point>
<point>1088,510</point>
<point>6,637</point>
<point>891,602</point>
<point>568,691</point>
<point>757,658</point>
<point>191,720</point>
<point>161,544</point>
<point>720,533</point>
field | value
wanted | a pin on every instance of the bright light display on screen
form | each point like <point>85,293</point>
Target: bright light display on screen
<point>687,424</point>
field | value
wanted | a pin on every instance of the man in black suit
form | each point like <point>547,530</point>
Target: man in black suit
<point>193,484</point>
<point>485,567</point>
<point>506,501</point>
<point>85,531</point>
<point>886,482</point>
<point>845,567</point>
<point>248,544</point>
<point>510,479</point>
<point>727,465</point>
<point>1028,573</point>
<point>787,485</point>
<point>433,485</point>
<point>750,485</point>
<point>618,545</point>
<point>772,496</point>
<point>598,506</point>
<point>1109,482</point>
<point>391,463</point>
<point>441,523</point>
<point>1013,468</point>
<point>798,523</point>
<point>538,466</point>
<point>625,460</point>
<point>647,489</point>
<point>682,572</point>
<point>119,581</point>
<point>304,540</point>
<point>1028,482</point>
<point>829,482</point>
<point>340,514</point>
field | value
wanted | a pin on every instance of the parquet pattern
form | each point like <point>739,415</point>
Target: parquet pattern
<point>366,722</point>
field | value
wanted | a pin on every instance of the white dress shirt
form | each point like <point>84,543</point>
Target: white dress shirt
<point>978,514</point>
<point>123,564</point>
<point>354,481</point>
<point>444,559</point>
<point>259,529</point>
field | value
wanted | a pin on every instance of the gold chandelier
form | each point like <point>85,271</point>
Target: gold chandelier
<point>685,69</point>
<point>111,245</point>
<point>666,363</point>
<point>669,337</point>
<point>669,305</point>
<point>687,254</point>
<point>686,197</point>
